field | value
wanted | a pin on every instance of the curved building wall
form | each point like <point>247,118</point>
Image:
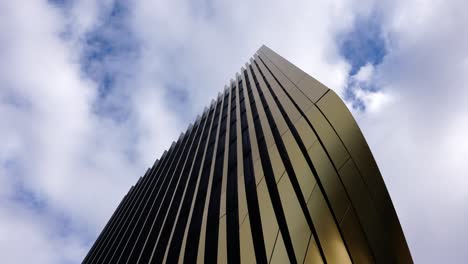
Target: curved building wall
<point>275,170</point>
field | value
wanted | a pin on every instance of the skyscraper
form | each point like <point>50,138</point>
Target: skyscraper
<point>274,170</point>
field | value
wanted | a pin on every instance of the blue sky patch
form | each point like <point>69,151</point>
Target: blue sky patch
<point>106,48</point>
<point>364,43</point>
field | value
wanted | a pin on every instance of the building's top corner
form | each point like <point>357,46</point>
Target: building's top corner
<point>263,46</point>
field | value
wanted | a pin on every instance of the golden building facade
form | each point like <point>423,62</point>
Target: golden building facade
<point>276,170</point>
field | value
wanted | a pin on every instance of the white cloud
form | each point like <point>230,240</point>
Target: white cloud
<point>418,138</point>
<point>374,101</point>
<point>205,45</point>
<point>30,237</point>
<point>365,73</point>
<point>79,164</point>
<point>53,145</point>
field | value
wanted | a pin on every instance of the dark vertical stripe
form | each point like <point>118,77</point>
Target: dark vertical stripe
<point>121,224</point>
<point>108,228</point>
<point>140,234</point>
<point>137,224</point>
<point>282,149</point>
<point>269,175</point>
<point>155,167</point>
<point>140,199</point>
<point>212,223</point>
<point>169,221</point>
<point>287,162</point>
<point>159,208</point>
<point>193,235</point>
<point>100,252</point>
<point>131,225</point>
<point>178,235</point>
<point>232,210</point>
<point>146,224</point>
<point>250,183</point>
<point>299,140</point>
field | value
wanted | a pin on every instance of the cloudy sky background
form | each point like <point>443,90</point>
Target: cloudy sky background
<point>92,92</point>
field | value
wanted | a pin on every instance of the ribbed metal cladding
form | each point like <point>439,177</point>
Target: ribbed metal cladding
<point>275,170</point>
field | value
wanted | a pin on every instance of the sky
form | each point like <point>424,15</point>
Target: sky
<point>93,92</point>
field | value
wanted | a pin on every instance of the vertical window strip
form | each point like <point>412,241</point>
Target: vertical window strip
<point>149,177</point>
<point>150,188</point>
<point>103,250</point>
<point>164,160</point>
<point>212,218</point>
<point>137,246</point>
<point>142,238</point>
<point>144,216</point>
<point>303,149</point>
<point>139,200</point>
<point>269,175</point>
<point>159,209</point>
<point>232,214</point>
<point>194,230</point>
<point>250,183</point>
<point>222,227</point>
<point>109,227</point>
<point>165,235</point>
<point>122,224</point>
<point>124,217</point>
<point>127,237</point>
<point>183,217</point>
